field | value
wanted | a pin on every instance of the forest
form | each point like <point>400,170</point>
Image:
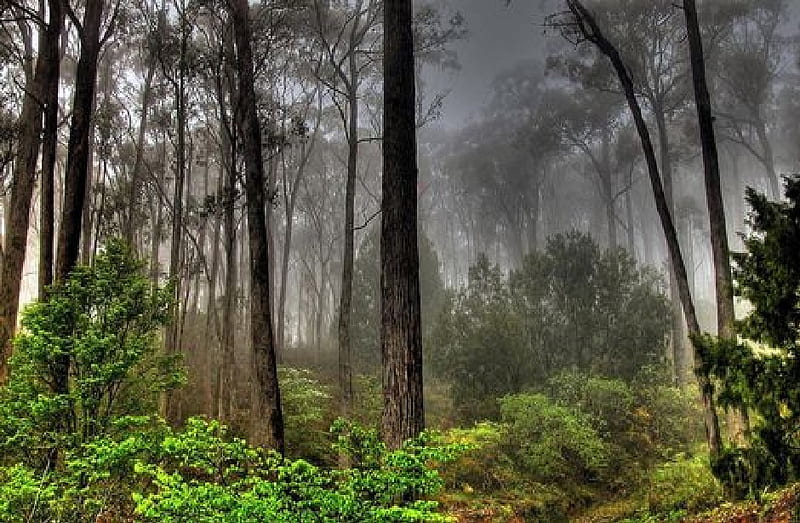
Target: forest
<point>399,261</point>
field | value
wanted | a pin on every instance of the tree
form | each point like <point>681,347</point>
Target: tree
<point>750,62</point>
<point>78,152</point>
<point>346,57</point>
<point>578,26</point>
<point>261,334</point>
<point>103,319</point>
<point>763,377</point>
<point>716,208</point>
<point>401,331</point>
<point>571,306</point>
<point>41,94</point>
<point>366,298</point>
<point>49,148</point>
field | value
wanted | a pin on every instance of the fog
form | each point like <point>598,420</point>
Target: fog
<point>586,174</point>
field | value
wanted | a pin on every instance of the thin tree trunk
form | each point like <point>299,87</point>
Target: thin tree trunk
<point>229,303</point>
<point>401,333</point>
<point>49,148</point>
<point>346,297</point>
<point>592,32</point>
<point>263,343</point>
<point>631,237</point>
<point>176,245</point>
<point>136,176</point>
<point>726,316</point>
<point>768,159</point>
<point>88,201</point>
<point>716,207</point>
<point>680,365</point>
<point>39,84</point>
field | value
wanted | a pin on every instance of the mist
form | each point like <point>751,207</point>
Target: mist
<point>399,260</point>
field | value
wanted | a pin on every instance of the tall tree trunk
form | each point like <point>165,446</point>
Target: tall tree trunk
<point>716,208</point>
<point>78,155</point>
<point>346,297</point>
<point>290,202</point>
<point>607,182</point>
<point>49,148</point>
<point>78,151</point>
<point>401,333</point>
<point>88,199</point>
<point>38,89</point>
<point>158,220</point>
<point>680,365</point>
<point>136,174</point>
<point>230,288</point>
<point>592,32</point>
<point>176,242</point>
<point>723,279</point>
<point>263,345</point>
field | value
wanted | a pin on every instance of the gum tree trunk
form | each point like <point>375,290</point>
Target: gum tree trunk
<point>401,334</point>
<point>263,344</point>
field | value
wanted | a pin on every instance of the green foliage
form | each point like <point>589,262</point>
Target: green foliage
<point>306,404</point>
<point>569,307</point>
<point>643,421</point>
<point>21,490</point>
<point>758,378</point>
<point>552,442</point>
<point>253,485</point>
<point>149,472</point>
<point>684,483</point>
<point>83,357</point>
<point>479,344</point>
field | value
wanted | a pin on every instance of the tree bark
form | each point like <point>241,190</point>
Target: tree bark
<point>78,152</point>
<point>589,28</point>
<point>716,207</point>
<point>401,333</point>
<point>263,346</point>
<point>346,297</point>
<point>38,88</point>
<point>680,365</point>
<point>49,148</point>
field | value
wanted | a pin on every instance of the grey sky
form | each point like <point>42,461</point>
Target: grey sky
<point>499,37</point>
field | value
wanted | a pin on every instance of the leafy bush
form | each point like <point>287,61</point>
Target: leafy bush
<point>570,307</point>
<point>644,421</point>
<point>759,375</point>
<point>84,357</point>
<point>684,483</point>
<point>553,443</point>
<point>306,407</point>
<point>77,443</point>
<point>151,473</point>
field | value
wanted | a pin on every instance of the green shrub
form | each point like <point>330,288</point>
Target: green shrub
<point>84,357</point>
<point>645,420</point>
<point>254,485</point>
<point>572,306</point>
<point>306,409</point>
<point>684,483</point>
<point>758,374</point>
<point>149,472</point>
<point>551,442</point>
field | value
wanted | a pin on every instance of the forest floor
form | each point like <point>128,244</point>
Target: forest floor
<point>782,506</point>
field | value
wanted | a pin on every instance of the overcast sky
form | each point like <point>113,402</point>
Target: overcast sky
<point>499,37</point>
